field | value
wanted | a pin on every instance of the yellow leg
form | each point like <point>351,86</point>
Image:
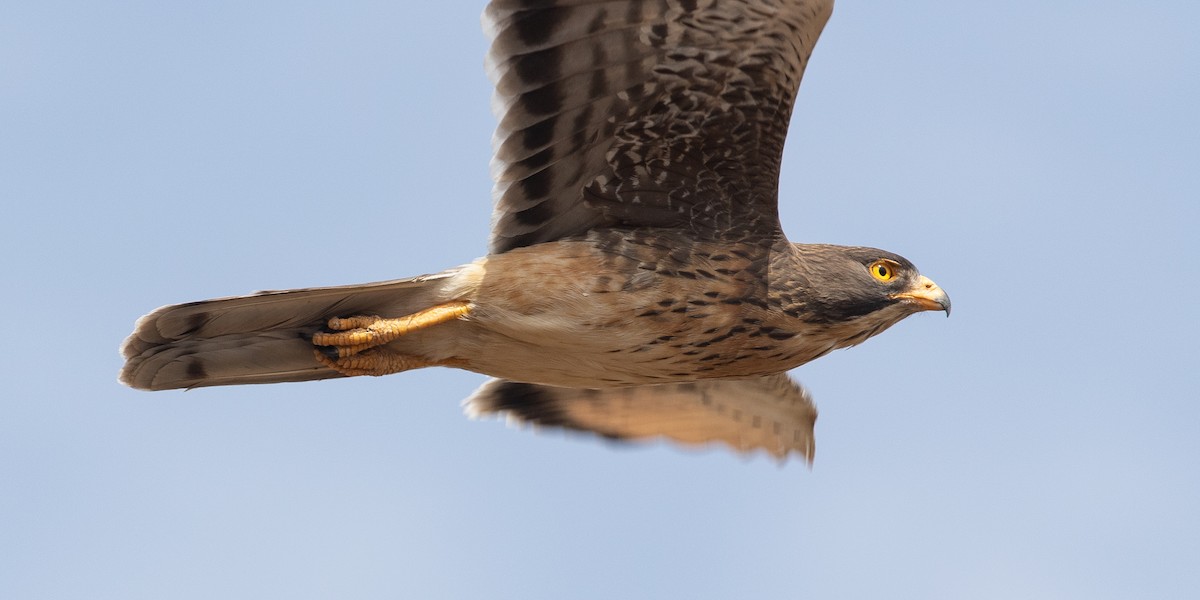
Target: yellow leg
<point>353,347</point>
<point>355,334</point>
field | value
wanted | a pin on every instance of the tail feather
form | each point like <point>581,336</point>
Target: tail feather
<point>260,338</point>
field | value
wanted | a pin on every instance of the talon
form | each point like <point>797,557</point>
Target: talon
<point>352,347</point>
<point>335,352</point>
<point>374,362</point>
<point>358,337</point>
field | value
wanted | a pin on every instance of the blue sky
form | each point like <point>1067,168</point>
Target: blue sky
<point>1038,160</point>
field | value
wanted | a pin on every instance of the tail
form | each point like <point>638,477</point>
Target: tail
<point>262,338</point>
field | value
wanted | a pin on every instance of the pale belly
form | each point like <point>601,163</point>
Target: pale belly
<point>581,319</point>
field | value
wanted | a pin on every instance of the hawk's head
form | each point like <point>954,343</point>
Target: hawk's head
<point>862,291</point>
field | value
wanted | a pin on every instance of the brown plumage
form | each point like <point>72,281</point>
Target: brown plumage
<point>639,284</point>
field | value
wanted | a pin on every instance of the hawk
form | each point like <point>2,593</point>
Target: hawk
<point>638,283</point>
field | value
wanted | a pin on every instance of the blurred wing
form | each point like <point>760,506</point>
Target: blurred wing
<point>657,113</point>
<point>771,413</point>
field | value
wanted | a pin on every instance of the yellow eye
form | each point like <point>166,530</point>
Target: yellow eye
<point>883,270</point>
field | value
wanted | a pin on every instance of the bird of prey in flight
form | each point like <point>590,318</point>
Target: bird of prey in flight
<point>637,284</point>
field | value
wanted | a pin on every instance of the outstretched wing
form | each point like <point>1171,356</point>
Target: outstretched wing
<point>659,113</point>
<point>769,413</point>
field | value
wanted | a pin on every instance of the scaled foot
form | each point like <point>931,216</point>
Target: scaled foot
<point>353,346</point>
<point>374,362</point>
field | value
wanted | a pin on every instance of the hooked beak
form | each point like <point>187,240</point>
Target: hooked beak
<point>926,295</point>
